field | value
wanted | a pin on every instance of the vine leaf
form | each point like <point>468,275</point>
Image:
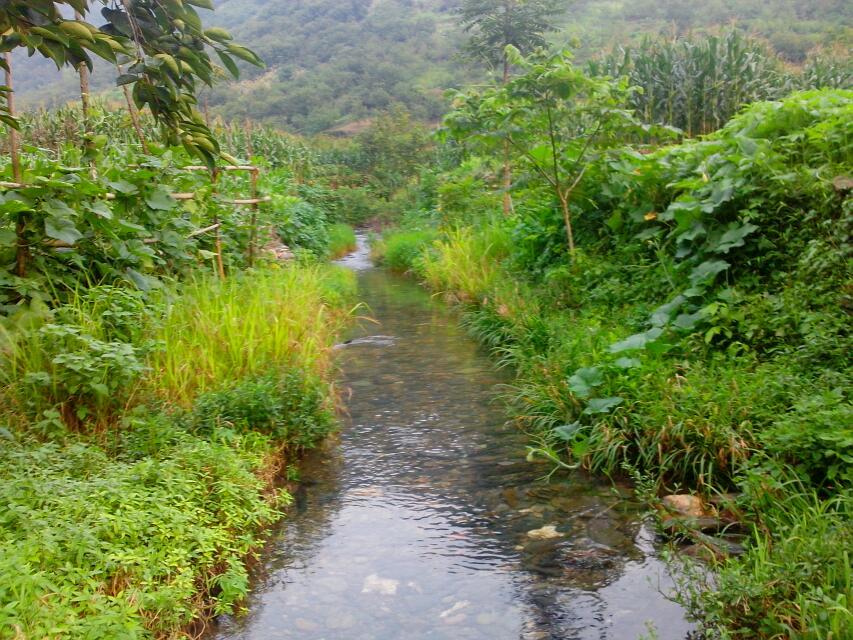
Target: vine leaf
<point>585,380</point>
<point>603,405</point>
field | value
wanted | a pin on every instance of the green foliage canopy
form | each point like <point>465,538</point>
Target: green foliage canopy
<point>164,44</point>
<point>555,117</point>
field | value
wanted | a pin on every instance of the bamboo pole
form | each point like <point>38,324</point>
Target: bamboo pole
<point>22,250</point>
<point>83,70</point>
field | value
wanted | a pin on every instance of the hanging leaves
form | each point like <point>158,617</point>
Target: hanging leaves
<point>162,43</point>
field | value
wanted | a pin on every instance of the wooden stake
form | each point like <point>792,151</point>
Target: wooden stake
<point>253,237</point>
<point>22,250</point>
<point>214,178</point>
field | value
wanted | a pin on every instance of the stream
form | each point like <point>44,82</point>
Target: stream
<point>424,520</point>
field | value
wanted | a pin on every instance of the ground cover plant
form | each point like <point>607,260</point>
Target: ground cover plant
<point>142,439</point>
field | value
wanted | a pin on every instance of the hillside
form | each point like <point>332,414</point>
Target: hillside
<point>335,62</point>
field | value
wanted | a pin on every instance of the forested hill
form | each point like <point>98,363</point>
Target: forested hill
<point>334,63</point>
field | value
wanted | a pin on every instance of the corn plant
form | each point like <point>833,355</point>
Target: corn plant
<point>697,84</point>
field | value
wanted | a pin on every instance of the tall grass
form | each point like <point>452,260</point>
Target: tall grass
<point>467,262</point>
<point>401,250</point>
<point>247,326</point>
<point>341,240</point>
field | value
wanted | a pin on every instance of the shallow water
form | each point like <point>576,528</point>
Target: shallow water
<point>416,522</point>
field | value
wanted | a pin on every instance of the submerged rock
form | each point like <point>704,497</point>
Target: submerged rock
<point>451,613</point>
<point>383,586</point>
<point>547,532</point>
<point>707,524</point>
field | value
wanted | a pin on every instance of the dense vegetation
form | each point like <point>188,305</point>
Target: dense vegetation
<point>135,487</point>
<point>675,308</point>
<point>161,365</point>
<point>692,332</point>
<point>333,63</point>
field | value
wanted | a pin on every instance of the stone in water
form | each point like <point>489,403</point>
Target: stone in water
<point>382,586</point>
<point>545,533</point>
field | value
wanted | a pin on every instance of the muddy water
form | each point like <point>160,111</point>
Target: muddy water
<point>416,523</point>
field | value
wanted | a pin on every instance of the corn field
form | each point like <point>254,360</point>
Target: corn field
<point>49,131</point>
<point>698,84</point>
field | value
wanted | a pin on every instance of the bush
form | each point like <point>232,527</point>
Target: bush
<point>341,240</point>
<point>816,438</point>
<point>290,407</point>
<point>401,250</point>
<point>60,371</point>
<point>301,225</point>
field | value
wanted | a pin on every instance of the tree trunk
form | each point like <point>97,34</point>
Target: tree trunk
<point>567,218</point>
<point>134,115</point>
<point>507,174</point>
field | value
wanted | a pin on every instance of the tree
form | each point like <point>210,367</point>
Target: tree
<point>558,119</point>
<point>162,42</point>
<point>498,24</point>
<point>392,149</point>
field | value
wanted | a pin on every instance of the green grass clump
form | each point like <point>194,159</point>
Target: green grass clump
<point>341,240</point>
<point>796,581</point>
<point>289,406</point>
<point>402,250</point>
<point>244,327</point>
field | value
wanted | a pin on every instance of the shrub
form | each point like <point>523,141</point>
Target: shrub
<point>301,224</point>
<point>816,438</point>
<point>401,250</point>
<point>58,368</point>
<point>290,407</point>
<point>341,240</point>
<point>103,547</point>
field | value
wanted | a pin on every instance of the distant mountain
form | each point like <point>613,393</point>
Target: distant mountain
<point>332,64</point>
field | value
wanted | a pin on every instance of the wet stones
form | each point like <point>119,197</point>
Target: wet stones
<point>382,586</point>
<point>687,517</point>
<point>547,532</point>
<point>685,505</point>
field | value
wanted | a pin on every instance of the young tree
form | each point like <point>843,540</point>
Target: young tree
<point>497,24</point>
<point>392,149</point>
<point>557,118</point>
<point>163,43</point>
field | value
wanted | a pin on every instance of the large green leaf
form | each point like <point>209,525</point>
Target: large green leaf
<point>62,229</point>
<point>585,380</point>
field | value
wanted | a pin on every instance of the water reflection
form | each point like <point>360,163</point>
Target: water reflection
<point>425,521</point>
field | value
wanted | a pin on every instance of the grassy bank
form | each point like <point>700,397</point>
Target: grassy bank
<point>696,341</point>
<point>141,439</point>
